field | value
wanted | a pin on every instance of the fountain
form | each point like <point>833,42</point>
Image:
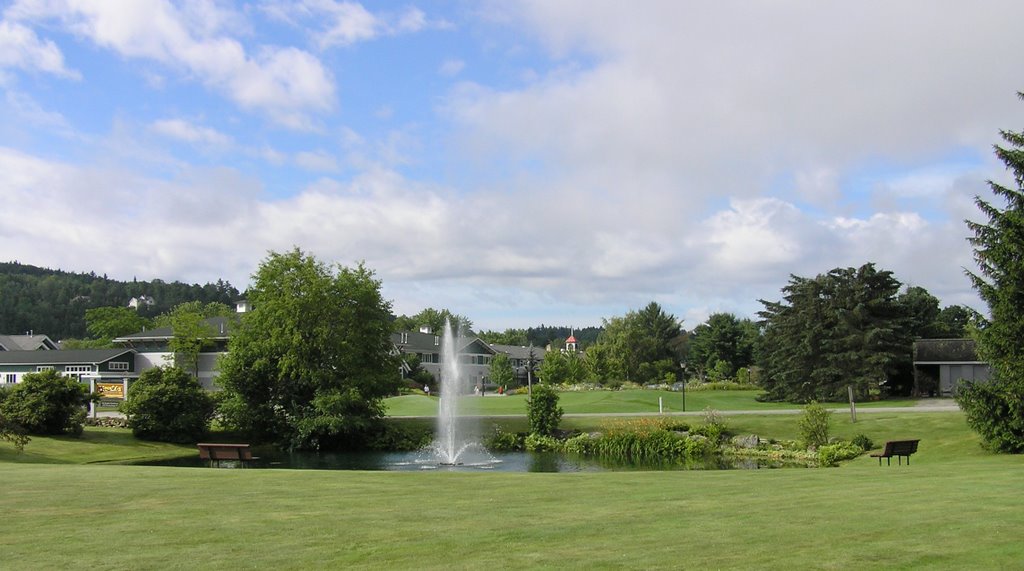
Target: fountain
<point>454,445</point>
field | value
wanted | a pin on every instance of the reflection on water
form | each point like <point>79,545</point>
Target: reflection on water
<point>427,461</point>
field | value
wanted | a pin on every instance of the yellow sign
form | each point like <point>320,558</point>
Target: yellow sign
<point>110,390</point>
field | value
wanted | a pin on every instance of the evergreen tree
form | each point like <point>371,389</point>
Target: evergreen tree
<point>996,409</point>
<point>843,328</point>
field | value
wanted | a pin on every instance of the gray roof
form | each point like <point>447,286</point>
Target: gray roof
<point>26,343</point>
<point>61,357</point>
<point>416,342</point>
<point>220,325</point>
<point>519,351</point>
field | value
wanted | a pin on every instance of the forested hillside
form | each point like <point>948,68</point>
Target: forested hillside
<point>53,302</point>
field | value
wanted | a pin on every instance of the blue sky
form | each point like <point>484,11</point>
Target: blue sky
<point>518,162</point>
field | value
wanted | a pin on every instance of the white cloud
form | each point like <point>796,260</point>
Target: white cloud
<point>350,23</point>
<point>341,24</point>
<point>24,111</point>
<point>185,131</point>
<point>20,47</point>
<point>790,88</point>
<point>318,161</point>
<point>451,67</point>
<point>286,83</point>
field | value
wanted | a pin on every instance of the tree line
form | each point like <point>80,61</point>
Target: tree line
<point>55,302</point>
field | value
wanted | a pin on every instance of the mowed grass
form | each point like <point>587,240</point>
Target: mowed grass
<point>96,444</point>
<point>954,507</point>
<point>610,402</point>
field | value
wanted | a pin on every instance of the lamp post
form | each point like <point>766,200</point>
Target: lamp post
<point>682,377</point>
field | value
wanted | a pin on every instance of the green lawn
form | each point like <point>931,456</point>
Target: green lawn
<point>97,444</point>
<point>954,507</point>
<point>607,402</point>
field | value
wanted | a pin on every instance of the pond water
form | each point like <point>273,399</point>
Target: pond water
<point>426,461</point>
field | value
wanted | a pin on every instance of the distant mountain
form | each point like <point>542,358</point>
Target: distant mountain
<point>53,302</point>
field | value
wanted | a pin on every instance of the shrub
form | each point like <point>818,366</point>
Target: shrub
<point>581,444</point>
<point>543,412</point>
<point>832,454</point>
<point>506,441</point>
<point>645,447</point>
<point>814,425</point>
<point>46,403</point>
<point>541,443</point>
<point>995,410</point>
<point>168,405</point>
<point>714,425</point>
<point>863,441</point>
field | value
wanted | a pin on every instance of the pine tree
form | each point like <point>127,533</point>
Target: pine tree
<point>996,409</point>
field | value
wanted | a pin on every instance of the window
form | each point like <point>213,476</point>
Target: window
<point>405,338</point>
<point>42,368</point>
<point>78,369</point>
<point>437,340</point>
<point>10,378</point>
<point>118,366</point>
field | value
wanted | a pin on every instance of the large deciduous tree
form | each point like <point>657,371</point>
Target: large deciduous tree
<point>310,364</point>
<point>996,409</point>
<point>843,328</point>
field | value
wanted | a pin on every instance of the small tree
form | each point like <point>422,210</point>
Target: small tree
<point>47,403</point>
<point>814,425</point>
<point>554,370</point>
<point>167,404</point>
<point>543,411</point>
<point>192,333</point>
<point>502,373</point>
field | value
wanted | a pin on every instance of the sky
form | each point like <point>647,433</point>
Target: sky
<point>517,162</point>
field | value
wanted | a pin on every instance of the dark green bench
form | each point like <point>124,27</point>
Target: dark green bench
<point>897,448</point>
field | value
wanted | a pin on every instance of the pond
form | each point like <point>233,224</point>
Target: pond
<point>426,461</point>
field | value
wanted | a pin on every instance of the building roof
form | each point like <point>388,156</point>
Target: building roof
<point>61,357</point>
<point>519,352</point>
<point>571,339</point>
<point>221,326</point>
<point>946,351</point>
<point>26,343</point>
<point>416,342</point>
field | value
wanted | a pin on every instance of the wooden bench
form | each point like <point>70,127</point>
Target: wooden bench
<point>214,453</point>
<point>897,448</point>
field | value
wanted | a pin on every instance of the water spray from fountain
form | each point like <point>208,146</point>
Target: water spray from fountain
<point>454,445</point>
<point>449,441</point>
